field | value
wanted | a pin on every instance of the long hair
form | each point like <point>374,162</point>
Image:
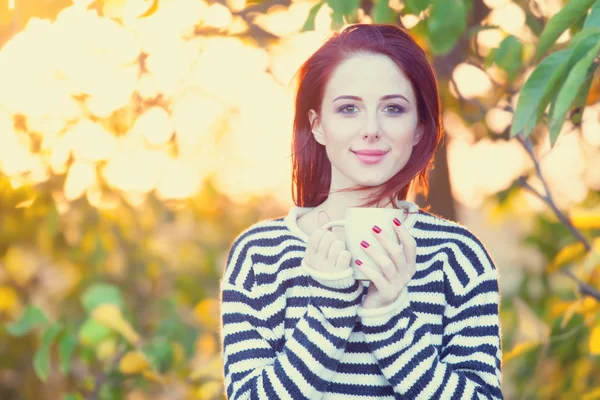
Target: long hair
<point>311,176</point>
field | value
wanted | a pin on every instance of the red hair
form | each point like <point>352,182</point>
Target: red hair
<point>311,178</point>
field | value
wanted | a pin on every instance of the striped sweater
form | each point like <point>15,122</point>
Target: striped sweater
<point>292,333</point>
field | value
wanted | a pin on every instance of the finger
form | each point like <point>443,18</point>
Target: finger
<point>408,242</point>
<point>389,242</point>
<point>378,280</point>
<point>343,260</point>
<point>336,247</point>
<point>326,241</point>
<point>323,218</point>
<point>313,241</point>
<point>386,265</point>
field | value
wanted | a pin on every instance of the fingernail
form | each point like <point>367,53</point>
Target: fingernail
<point>397,222</point>
<point>376,229</point>
<point>358,262</point>
<point>364,244</point>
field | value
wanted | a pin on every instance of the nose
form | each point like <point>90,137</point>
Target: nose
<point>371,130</point>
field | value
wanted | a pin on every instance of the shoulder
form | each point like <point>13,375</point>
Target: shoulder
<point>263,237</point>
<point>466,254</point>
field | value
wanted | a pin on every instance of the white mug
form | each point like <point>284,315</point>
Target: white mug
<point>358,225</point>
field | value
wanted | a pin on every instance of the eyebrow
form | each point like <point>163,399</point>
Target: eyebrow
<point>386,97</point>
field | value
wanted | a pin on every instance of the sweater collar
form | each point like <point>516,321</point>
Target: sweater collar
<point>411,212</point>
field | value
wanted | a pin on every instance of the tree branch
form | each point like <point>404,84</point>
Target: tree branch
<point>101,379</point>
<point>584,288</point>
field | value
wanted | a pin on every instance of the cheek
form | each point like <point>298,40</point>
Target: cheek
<point>401,134</point>
<point>340,129</point>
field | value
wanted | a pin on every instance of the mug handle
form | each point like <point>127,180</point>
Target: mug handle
<point>339,222</point>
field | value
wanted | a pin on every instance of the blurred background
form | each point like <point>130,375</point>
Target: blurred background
<point>138,138</point>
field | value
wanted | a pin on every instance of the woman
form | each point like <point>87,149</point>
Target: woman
<point>296,324</point>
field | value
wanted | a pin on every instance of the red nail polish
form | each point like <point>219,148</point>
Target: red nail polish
<point>397,222</point>
<point>358,262</point>
<point>376,229</point>
<point>364,244</point>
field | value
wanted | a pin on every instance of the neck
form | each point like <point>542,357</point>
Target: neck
<point>337,202</point>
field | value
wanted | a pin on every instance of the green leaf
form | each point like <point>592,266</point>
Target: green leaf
<point>569,91</point>
<point>578,104</point>
<point>101,293</point>
<point>382,13</point>
<point>582,42</point>
<point>343,11</point>
<point>31,318</point>
<point>446,23</point>
<point>71,396</point>
<point>577,25</point>
<point>593,18</point>
<point>534,24</point>
<point>41,358</point>
<point>509,56</point>
<point>537,91</point>
<point>92,332</point>
<point>309,25</point>
<point>66,347</point>
<point>416,6</point>
<point>490,58</point>
<point>567,16</point>
<point>160,353</point>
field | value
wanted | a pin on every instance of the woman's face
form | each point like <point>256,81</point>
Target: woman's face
<point>368,122</point>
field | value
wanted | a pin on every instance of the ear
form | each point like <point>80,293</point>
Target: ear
<point>418,134</point>
<point>316,127</point>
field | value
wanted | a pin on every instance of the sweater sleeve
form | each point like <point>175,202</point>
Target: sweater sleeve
<point>259,363</point>
<point>468,364</point>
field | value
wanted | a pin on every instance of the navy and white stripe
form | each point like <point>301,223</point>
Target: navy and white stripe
<point>291,333</point>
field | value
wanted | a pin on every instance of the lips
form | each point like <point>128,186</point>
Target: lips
<point>370,156</point>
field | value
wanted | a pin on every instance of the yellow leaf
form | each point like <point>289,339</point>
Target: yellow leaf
<point>559,307</point>
<point>21,265</point>
<point>110,316</point>
<point>209,390</point>
<point>589,305</point>
<point>519,349</point>
<point>133,362</point>
<point>152,376</point>
<point>569,312</point>
<point>593,394</point>
<point>206,346</point>
<point>106,349</point>
<point>592,259</point>
<point>595,341</point>
<point>566,255</point>
<point>585,218</point>
<point>207,313</point>
<point>9,301</point>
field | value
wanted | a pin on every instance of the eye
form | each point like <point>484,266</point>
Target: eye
<point>348,109</point>
<point>393,109</point>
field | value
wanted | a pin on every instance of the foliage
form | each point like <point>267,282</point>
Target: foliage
<point>119,299</point>
<point>122,301</point>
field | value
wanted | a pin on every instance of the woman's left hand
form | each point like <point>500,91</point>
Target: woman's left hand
<point>398,266</point>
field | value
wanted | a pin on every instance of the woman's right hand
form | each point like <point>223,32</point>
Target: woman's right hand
<point>325,251</point>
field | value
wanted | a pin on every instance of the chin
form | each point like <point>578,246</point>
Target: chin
<point>374,181</point>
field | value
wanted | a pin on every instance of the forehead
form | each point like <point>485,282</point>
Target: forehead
<point>368,76</point>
